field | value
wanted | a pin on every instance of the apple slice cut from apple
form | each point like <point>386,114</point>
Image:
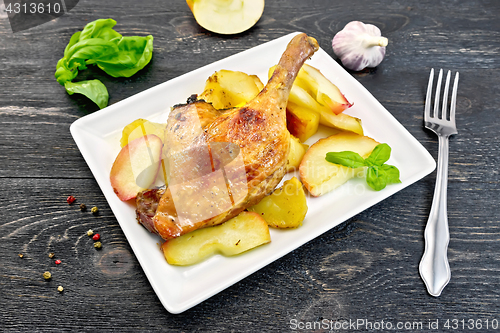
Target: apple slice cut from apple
<point>136,166</point>
<point>301,122</point>
<point>226,16</point>
<point>341,121</point>
<point>241,233</point>
<point>325,92</point>
<point>320,176</point>
<point>300,97</point>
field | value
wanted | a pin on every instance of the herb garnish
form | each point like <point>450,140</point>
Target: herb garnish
<point>378,174</point>
<point>98,44</point>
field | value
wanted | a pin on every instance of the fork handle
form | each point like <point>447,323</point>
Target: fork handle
<point>434,267</point>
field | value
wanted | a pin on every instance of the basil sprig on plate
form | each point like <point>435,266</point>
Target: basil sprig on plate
<point>378,174</point>
<point>98,44</point>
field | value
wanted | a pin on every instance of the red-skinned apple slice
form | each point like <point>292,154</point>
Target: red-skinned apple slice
<point>299,96</point>
<point>326,93</point>
<point>341,121</point>
<point>301,122</point>
<point>136,166</point>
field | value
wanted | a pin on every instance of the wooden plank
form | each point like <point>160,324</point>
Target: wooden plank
<point>366,268</point>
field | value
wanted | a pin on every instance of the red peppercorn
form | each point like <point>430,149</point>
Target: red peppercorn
<point>96,237</point>
<point>58,262</point>
<point>70,199</point>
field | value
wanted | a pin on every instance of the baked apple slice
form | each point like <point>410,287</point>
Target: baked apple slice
<point>320,176</point>
<point>300,97</point>
<point>136,166</point>
<point>311,90</point>
<point>322,89</point>
<point>301,122</point>
<point>239,234</point>
<point>341,121</point>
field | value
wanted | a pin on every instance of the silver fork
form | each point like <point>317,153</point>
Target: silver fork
<point>434,267</point>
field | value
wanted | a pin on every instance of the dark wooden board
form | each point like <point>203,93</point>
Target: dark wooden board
<point>366,268</point>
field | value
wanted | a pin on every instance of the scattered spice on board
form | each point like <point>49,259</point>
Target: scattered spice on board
<point>97,245</point>
<point>70,199</point>
<point>58,262</point>
<point>21,255</point>
<point>83,207</point>
<point>60,289</point>
<point>47,275</point>
<point>94,210</point>
<point>51,255</point>
<point>96,237</point>
<point>90,232</point>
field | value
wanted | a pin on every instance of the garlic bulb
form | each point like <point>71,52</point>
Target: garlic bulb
<point>359,45</point>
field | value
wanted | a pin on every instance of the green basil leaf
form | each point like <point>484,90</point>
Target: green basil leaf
<point>93,89</point>
<point>376,178</point>
<point>134,54</point>
<point>99,44</point>
<point>379,155</point>
<point>63,73</point>
<point>349,159</point>
<point>89,49</point>
<point>391,173</point>
<point>74,39</point>
<point>102,28</point>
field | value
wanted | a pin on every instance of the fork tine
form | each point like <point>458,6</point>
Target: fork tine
<point>427,109</point>
<point>444,113</point>
<point>453,104</point>
<point>438,92</point>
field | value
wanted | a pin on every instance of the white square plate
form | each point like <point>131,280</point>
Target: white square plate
<point>180,288</point>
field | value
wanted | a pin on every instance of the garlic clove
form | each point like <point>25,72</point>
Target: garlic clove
<point>359,45</point>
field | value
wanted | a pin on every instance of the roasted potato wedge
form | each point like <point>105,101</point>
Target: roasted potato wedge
<point>320,176</point>
<point>239,234</point>
<point>227,89</point>
<point>297,151</point>
<point>286,207</point>
<point>141,127</point>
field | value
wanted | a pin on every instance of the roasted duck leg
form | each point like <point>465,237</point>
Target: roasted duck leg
<point>222,162</point>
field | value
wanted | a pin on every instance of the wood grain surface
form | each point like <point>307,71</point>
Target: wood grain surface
<point>366,268</point>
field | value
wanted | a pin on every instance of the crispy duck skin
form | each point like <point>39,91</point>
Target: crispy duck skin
<point>147,203</point>
<point>201,140</point>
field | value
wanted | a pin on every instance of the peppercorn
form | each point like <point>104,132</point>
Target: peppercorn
<point>60,289</point>
<point>90,232</point>
<point>83,207</point>
<point>70,199</point>
<point>21,255</point>
<point>96,237</point>
<point>94,210</point>
<point>97,245</point>
<point>51,255</point>
<point>58,262</point>
<point>47,275</point>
